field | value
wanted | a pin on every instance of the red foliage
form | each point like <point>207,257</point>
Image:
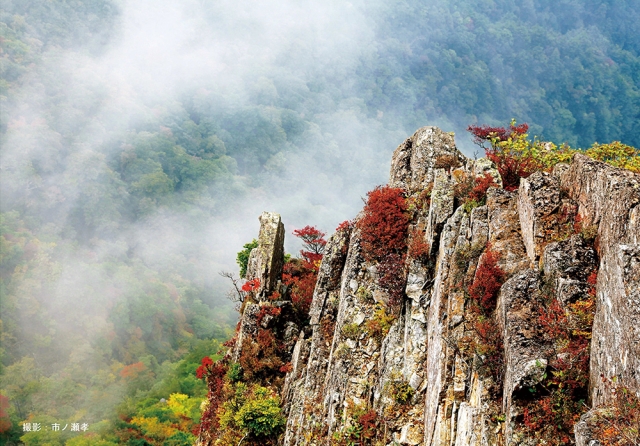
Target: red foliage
<point>383,227</point>
<point>205,367</point>
<point>251,285</point>
<point>553,320</point>
<point>593,278</point>
<point>300,275</point>
<point>232,342</point>
<point>490,348</point>
<point>383,232</point>
<point>479,191</point>
<point>313,241</point>
<point>577,224</point>
<point>287,368</point>
<point>370,423</point>
<point>266,310</point>
<point>485,133</point>
<point>487,281</point>
<point>214,375</point>
<point>512,167</point>
<point>346,225</point>
<point>392,278</point>
<point>259,357</point>
<point>417,246</point>
<point>300,278</point>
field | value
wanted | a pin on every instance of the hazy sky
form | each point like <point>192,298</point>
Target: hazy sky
<point>239,53</point>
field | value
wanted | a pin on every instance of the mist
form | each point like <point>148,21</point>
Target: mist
<point>141,140</point>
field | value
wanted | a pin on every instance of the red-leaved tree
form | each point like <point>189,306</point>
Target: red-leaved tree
<point>512,164</point>
<point>484,133</point>
<point>214,373</point>
<point>313,242</point>
<point>384,225</point>
<point>300,275</point>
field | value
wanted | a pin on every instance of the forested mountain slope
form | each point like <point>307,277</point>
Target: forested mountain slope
<point>140,139</point>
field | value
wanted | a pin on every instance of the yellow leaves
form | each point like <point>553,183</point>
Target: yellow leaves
<point>153,427</point>
<point>616,154</point>
<point>183,405</point>
<point>547,154</point>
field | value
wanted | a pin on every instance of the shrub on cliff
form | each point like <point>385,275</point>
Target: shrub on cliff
<point>300,275</point>
<point>487,281</point>
<point>383,233</point>
<point>260,415</point>
<point>242,259</point>
<point>383,227</point>
<point>515,156</point>
<point>508,150</point>
<point>313,242</point>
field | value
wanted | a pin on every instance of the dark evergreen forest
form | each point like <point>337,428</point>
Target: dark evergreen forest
<point>141,140</point>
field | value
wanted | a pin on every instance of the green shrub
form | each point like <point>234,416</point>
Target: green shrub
<point>342,351</point>
<point>242,259</point>
<point>260,415</point>
<point>351,331</point>
<point>400,391</point>
<point>234,373</point>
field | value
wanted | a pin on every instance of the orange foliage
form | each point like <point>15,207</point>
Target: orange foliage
<point>418,247</point>
<point>132,371</point>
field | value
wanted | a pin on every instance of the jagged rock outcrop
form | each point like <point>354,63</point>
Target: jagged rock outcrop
<point>448,368</point>
<point>266,261</point>
<point>609,200</point>
<point>265,264</point>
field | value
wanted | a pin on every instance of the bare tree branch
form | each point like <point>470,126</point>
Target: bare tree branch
<point>236,296</point>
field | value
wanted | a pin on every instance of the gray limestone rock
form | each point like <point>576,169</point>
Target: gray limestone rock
<point>266,261</point>
<point>568,264</point>
<point>414,162</point>
<point>504,230</point>
<point>524,345</point>
<point>609,199</point>
<point>538,200</point>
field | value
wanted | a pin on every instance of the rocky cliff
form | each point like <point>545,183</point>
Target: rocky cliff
<point>517,320</point>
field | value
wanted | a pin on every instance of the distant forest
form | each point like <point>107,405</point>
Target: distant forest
<point>109,196</point>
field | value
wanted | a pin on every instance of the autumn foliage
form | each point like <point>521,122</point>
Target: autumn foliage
<point>487,282</point>
<point>132,371</point>
<point>383,227</point>
<point>559,402</point>
<point>251,286</point>
<point>260,357</point>
<point>383,232</point>
<point>619,424</point>
<point>214,373</point>
<point>418,247</point>
<point>313,242</point>
<point>512,163</point>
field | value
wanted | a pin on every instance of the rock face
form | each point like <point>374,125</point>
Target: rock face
<point>265,264</point>
<point>434,373</point>
<point>265,261</point>
<point>609,202</point>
